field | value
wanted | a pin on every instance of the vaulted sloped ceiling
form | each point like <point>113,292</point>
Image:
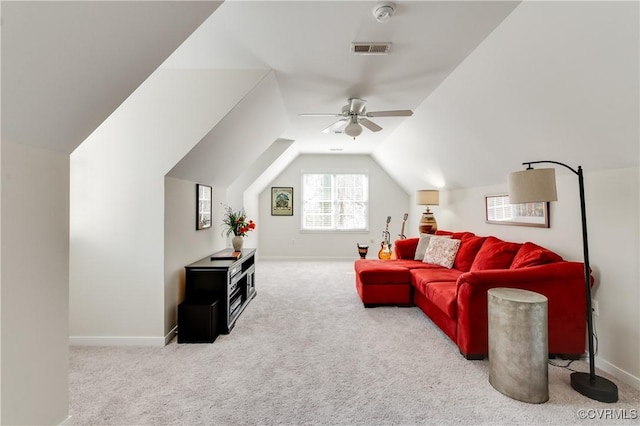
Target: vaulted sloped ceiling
<point>238,139</point>
<point>67,65</point>
<point>492,83</point>
<point>555,81</point>
<point>307,47</point>
<point>307,44</point>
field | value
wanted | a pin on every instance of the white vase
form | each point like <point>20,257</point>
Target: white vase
<point>236,242</point>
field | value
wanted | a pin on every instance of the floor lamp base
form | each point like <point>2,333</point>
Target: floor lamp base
<point>600,389</point>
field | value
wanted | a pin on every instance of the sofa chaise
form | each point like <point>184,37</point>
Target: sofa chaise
<point>447,277</point>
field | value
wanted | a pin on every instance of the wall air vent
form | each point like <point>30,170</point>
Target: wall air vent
<point>360,48</point>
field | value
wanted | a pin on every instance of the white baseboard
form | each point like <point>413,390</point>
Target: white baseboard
<point>123,340</point>
<point>308,258</point>
<point>619,374</point>
<point>116,341</point>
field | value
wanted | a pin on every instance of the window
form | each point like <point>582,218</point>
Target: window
<point>335,202</point>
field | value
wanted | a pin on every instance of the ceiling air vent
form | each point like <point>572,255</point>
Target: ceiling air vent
<point>359,48</point>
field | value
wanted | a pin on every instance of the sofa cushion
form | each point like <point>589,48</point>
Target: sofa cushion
<point>443,295</point>
<point>441,251</point>
<point>531,254</point>
<point>423,243</point>
<point>414,264</point>
<point>381,272</point>
<point>421,277</point>
<point>495,254</point>
<point>469,247</point>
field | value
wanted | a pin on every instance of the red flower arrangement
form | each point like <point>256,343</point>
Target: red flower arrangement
<point>236,222</point>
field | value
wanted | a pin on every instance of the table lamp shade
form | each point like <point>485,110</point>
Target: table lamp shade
<point>427,197</point>
<point>532,185</point>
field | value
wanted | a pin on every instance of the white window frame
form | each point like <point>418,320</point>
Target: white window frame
<point>335,202</point>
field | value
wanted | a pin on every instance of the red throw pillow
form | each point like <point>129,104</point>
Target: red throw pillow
<point>469,247</point>
<point>531,254</point>
<point>495,254</point>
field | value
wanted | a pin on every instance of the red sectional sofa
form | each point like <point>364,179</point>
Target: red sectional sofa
<point>455,299</point>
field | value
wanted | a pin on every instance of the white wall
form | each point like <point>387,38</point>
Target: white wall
<point>614,239</point>
<point>280,236</point>
<point>35,277</point>
<point>182,243</point>
<point>612,204</point>
<point>117,266</point>
<point>244,192</point>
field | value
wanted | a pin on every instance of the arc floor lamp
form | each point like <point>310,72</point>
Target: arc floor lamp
<point>537,185</point>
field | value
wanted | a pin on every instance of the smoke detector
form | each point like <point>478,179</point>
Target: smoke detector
<point>384,11</point>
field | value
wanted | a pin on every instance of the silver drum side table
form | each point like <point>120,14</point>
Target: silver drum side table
<point>518,344</point>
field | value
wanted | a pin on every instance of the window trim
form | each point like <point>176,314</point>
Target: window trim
<point>364,230</point>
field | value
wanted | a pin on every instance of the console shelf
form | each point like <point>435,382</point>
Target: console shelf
<point>222,276</point>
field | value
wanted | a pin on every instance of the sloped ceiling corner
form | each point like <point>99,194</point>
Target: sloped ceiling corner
<point>238,139</point>
<point>555,81</point>
<point>266,168</point>
<point>67,65</point>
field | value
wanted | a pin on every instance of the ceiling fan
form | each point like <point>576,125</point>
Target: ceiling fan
<point>354,116</point>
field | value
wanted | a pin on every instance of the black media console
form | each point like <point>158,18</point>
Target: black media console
<point>217,289</point>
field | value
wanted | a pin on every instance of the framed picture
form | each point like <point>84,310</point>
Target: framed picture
<point>203,206</point>
<point>501,212</point>
<point>281,201</point>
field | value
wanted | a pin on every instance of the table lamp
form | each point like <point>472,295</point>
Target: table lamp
<point>427,197</point>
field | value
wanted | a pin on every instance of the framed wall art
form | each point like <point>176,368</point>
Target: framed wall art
<point>500,212</point>
<point>203,206</point>
<point>281,201</point>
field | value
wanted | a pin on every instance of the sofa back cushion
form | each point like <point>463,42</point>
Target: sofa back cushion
<point>495,254</point>
<point>441,251</point>
<point>531,254</point>
<point>423,243</point>
<point>405,249</point>
<point>469,247</point>
<point>454,235</point>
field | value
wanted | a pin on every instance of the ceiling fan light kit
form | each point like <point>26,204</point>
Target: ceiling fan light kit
<point>353,129</point>
<point>354,116</point>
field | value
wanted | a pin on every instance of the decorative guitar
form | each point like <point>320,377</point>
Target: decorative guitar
<point>385,245</point>
<point>404,220</point>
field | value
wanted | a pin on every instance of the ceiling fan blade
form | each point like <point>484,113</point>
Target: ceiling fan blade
<point>370,125</point>
<point>320,114</point>
<point>396,113</point>
<point>337,127</point>
<point>357,105</point>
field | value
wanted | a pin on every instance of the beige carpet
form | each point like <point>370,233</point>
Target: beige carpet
<point>306,352</point>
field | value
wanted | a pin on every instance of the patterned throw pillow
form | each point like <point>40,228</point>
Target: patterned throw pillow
<point>423,243</point>
<point>442,251</point>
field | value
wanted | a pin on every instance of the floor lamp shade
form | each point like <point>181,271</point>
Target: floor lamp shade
<point>532,185</point>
